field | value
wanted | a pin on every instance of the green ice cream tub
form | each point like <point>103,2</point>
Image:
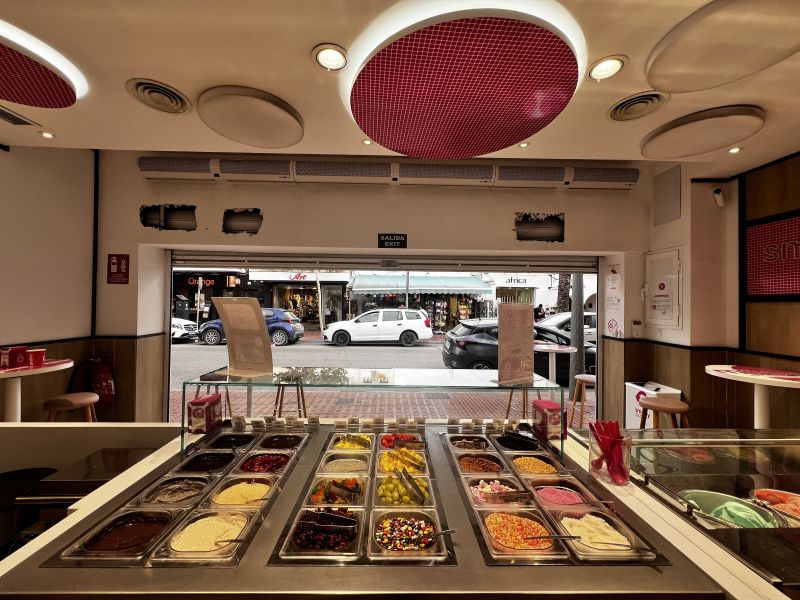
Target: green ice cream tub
<point>733,510</point>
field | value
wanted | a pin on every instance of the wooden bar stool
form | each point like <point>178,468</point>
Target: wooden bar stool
<point>210,379</point>
<point>297,382</point>
<point>581,383</point>
<point>666,406</point>
<point>68,402</point>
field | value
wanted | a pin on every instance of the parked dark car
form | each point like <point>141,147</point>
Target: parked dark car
<point>472,344</point>
<point>284,327</point>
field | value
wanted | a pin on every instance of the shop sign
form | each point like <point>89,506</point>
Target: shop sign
<point>392,240</point>
<point>773,257</point>
<point>298,276</point>
<point>204,281</point>
<point>118,270</point>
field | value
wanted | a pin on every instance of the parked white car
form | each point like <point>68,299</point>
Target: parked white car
<point>381,325</point>
<point>183,329</point>
<point>563,321</point>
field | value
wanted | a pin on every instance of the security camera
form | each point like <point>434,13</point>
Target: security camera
<point>719,196</point>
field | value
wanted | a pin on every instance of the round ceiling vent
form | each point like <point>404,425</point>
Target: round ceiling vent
<point>703,131</point>
<point>637,106</point>
<point>250,116</point>
<point>158,95</point>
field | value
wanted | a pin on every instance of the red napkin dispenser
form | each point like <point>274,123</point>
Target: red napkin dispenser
<point>14,357</point>
<point>549,420</point>
<point>204,413</point>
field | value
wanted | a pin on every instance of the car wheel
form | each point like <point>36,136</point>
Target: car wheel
<point>408,338</point>
<point>481,365</point>
<point>212,337</point>
<point>341,338</point>
<point>280,337</point>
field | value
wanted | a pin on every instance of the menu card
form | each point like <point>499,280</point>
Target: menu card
<point>515,344</point>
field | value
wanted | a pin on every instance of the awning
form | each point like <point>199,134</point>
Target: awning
<point>419,284</point>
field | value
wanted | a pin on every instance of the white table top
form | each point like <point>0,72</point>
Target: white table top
<point>756,375</point>
<point>554,348</point>
<point>49,366</point>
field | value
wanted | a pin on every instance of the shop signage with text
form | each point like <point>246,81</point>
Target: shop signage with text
<point>392,240</point>
<point>118,270</point>
<point>773,257</point>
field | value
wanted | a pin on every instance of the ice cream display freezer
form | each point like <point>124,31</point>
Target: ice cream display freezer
<point>347,513</point>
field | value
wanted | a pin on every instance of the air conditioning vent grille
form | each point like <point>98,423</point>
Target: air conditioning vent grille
<point>9,116</point>
<point>164,164</point>
<point>505,173</point>
<point>594,175</point>
<point>321,168</point>
<point>433,171</point>
<point>255,167</point>
<point>637,106</point>
<point>158,96</point>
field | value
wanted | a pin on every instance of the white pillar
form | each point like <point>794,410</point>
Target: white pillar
<point>12,389</point>
<point>760,406</point>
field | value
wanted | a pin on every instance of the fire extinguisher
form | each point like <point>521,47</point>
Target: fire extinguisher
<point>102,381</point>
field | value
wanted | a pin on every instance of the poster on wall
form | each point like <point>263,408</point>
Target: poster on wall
<point>614,309</point>
<point>118,269</point>
<point>773,257</point>
<point>515,344</point>
<point>663,289</point>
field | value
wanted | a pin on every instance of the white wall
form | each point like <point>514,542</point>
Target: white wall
<point>46,205</point>
<point>328,218</point>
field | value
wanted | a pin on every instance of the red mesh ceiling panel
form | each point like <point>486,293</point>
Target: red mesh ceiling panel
<point>26,81</point>
<point>464,88</point>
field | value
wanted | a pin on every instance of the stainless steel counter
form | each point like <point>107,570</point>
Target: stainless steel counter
<point>253,578</point>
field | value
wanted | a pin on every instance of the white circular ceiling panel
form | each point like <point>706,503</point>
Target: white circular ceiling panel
<point>250,116</point>
<point>724,41</point>
<point>703,131</point>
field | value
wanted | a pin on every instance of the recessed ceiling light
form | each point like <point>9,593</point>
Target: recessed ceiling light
<point>47,135</point>
<point>735,150</point>
<point>330,56</point>
<point>47,54</point>
<point>366,142</point>
<point>523,145</point>
<point>606,67</point>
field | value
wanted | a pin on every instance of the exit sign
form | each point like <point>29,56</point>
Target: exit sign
<point>392,240</point>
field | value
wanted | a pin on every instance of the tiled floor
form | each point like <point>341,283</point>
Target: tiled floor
<point>417,403</point>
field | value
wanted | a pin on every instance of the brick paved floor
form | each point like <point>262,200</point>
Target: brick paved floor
<point>418,403</point>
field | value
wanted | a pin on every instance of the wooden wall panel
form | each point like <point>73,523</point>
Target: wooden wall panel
<point>150,378</point>
<point>622,361</point>
<point>773,190</point>
<point>774,327</point>
<point>784,402</point>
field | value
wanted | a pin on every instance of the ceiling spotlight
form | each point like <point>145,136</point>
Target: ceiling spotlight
<point>606,67</point>
<point>523,145</point>
<point>330,56</point>
<point>47,135</point>
<point>735,150</point>
<point>366,142</point>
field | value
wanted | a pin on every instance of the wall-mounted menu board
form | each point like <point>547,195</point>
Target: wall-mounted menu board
<point>772,247</point>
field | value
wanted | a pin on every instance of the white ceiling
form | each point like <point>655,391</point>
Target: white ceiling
<point>197,44</point>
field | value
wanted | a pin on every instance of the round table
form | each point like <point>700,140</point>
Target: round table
<point>12,385</point>
<point>552,350</point>
<point>762,380</point>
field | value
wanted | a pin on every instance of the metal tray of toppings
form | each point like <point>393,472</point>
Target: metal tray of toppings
<point>128,535</point>
<point>557,493</point>
<point>264,461</point>
<point>207,537</point>
<point>352,442</point>
<point>484,464</point>
<point>414,461</point>
<point>502,490</point>
<point>346,489</point>
<point>317,537</point>
<point>468,443</point>
<point>632,548</point>
<point>505,531</point>
<point>527,465</point>
<point>207,461</point>
<point>284,442</point>
<point>249,491</point>
<point>386,487</point>
<point>525,443</point>
<point>229,440</point>
<point>345,462</point>
<point>386,441</point>
<point>175,491</point>
<point>390,538</point>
